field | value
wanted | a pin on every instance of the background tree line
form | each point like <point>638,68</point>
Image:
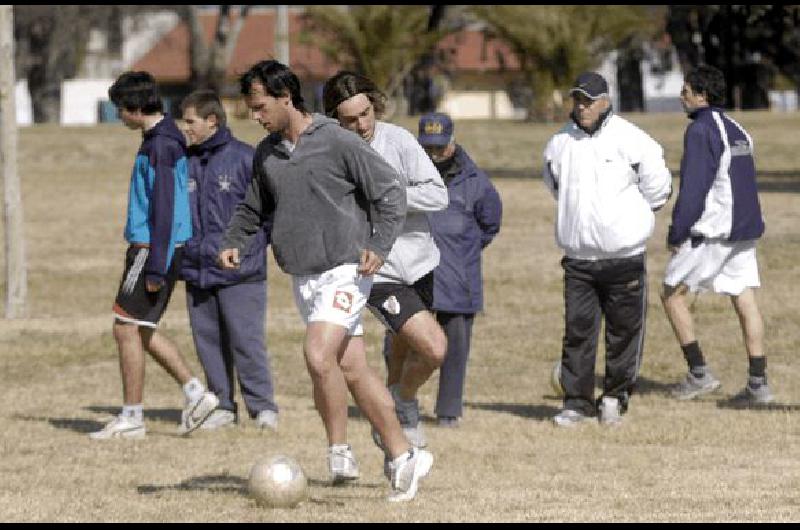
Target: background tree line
<point>755,45</point>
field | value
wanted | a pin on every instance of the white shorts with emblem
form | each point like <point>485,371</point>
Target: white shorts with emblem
<point>336,296</point>
<point>726,267</point>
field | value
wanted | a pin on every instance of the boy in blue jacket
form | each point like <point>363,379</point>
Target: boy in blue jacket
<point>227,308</point>
<point>157,227</point>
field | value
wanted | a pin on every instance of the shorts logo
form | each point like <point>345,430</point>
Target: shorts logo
<point>343,300</point>
<point>392,305</point>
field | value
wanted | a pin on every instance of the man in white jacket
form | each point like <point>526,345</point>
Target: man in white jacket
<point>608,176</point>
<point>402,291</point>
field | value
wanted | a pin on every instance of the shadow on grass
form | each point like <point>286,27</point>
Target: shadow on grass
<point>740,404</point>
<point>211,483</point>
<point>167,415</point>
<point>78,425</point>
<point>650,386</point>
<point>539,412</point>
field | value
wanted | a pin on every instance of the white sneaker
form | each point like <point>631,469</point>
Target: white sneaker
<point>609,412</point>
<point>342,464</point>
<point>267,419</point>
<point>120,427</point>
<point>406,475</point>
<point>218,419</point>
<point>196,412</point>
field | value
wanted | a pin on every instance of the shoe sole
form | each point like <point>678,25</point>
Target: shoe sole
<point>421,470</point>
<point>199,414</point>
<point>699,392</point>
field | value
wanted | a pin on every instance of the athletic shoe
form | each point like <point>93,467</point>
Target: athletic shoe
<point>610,412</point>
<point>569,418</point>
<point>408,414</point>
<point>406,475</point>
<point>267,420</point>
<point>120,427</point>
<point>218,419</point>
<point>448,422</point>
<point>756,392</point>
<point>342,464</point>
<point>693,386</point>
<point>197,412</point>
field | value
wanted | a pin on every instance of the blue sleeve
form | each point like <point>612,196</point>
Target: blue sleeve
<point>163,161</point>
<point>488,210</point>
<point>701,155</point>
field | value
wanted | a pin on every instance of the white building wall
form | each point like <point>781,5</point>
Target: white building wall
<point>80,98</point>
<point>22,101</point>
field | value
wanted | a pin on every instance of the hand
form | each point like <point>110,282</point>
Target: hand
<point>673,249</point>
<point>152,287</point>
<point>229,258</point>
<point>370,262</point>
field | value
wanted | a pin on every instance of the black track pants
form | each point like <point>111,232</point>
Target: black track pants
<point>616,289</point>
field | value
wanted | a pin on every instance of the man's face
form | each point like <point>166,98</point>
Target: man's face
<point>440,153</point>
<point>198,129</point>
<point>358,115</point>
<point>131,118</point>
<point>587,110</point>
<point>271,112</point>
<point>690,100</point>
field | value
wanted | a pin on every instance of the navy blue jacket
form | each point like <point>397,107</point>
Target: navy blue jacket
<point>220,171</point>
<point>718,196</point>
<point>469,223</point>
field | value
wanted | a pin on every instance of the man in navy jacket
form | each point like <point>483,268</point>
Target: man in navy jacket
<point>716,223</point>
<point>470,222</point>
<point>227,308</point>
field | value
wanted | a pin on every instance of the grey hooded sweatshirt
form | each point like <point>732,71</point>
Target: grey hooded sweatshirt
<point>320,195</point>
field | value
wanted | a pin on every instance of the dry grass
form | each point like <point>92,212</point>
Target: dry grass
<point>699,461</point>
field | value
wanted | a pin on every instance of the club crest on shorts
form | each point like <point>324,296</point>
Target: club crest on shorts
<point>392,305</point>
<point>343,300</point>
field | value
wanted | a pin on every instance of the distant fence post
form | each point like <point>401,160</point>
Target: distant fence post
<point>16,276</point>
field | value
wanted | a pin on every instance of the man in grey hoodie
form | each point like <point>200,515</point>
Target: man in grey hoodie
<point>319,182</point>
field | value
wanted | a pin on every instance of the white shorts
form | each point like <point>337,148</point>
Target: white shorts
<point>335,296</point>
<point>726,267</point>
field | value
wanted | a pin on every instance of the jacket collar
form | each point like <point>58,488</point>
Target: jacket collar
<point>602,120</point>
<point>702,111</point>
<point>221,137</point>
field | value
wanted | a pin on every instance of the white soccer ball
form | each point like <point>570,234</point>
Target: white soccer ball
<point>278,481</point>
<point>555,379</point>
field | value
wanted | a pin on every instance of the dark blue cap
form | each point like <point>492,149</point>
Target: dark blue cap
<point>435,128</point>
<point>590,84</point>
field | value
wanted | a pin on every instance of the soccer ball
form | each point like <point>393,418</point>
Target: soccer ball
<point>555,379</point>
<point>277,481</point>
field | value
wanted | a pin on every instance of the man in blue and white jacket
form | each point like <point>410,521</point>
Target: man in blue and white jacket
<point>227,308</point>
<point>716,222</point>
<point>608,177</point>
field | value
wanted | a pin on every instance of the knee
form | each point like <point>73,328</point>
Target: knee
<point>436,349</point>
<point>319,366</point>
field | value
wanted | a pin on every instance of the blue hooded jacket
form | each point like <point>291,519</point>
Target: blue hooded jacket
<point>220,171</point>
<point>158,202</point>
<point>718,195</point>
<point>461,231</point>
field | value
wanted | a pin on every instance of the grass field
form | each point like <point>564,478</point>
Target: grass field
<point>671,461</point>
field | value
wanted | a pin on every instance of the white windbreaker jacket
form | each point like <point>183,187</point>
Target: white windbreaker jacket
<point>607,186</point>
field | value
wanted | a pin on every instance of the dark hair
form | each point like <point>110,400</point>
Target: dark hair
<point>136,91</point>
<point>277,79</point>
<point>708,80</point>
<point>345,85</point>
<point>205,103</point>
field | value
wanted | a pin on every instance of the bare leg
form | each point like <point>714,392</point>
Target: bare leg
<point>372,397</point>
<point>424,344</point>
<point>396,359</point>
<point>750,321</point>
<point>677,309</point>
<point>131,361</point>
<point>324,343</point>
<point>166,353</point>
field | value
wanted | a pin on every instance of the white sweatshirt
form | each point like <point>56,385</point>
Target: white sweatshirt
<point>414,253</point>
<point>607,186</point>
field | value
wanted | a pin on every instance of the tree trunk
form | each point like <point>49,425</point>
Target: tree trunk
<point>16,276</point>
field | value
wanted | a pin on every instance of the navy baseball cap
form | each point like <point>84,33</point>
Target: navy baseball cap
<point>590,84</point>
<point>436,129</point>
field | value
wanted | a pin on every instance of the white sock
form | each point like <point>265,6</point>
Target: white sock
<point>340,447</point>
<point>193,389</point>
<point>133,411</point>
<point>402,458</point>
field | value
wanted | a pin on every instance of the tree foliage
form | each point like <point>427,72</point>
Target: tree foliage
<point>554,43</point>
<point>383,42</point>
<point>749,43</point>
